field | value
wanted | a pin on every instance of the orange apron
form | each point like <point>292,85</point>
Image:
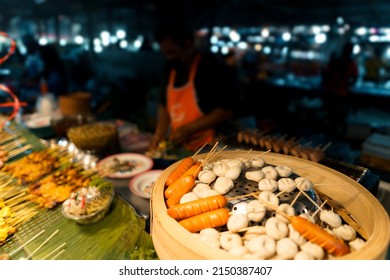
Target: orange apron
<point>183,108</point>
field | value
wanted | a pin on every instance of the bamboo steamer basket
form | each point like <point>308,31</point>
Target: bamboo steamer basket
<point>172,241</point>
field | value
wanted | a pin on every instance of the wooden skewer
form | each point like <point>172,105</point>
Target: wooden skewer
<point>44,242</point>
<point>242,196</point>
<point>200,149</point>
<point>19,221</point>
<point>27,242</point>
<point>295,198</point>
<point>55,250</point>
<point>304,167</point>
<point>326,146</point>
<point>9,138</point>
<point>13,144</point>
<point>210,153</point>
<point>217,153</point>
<point>319,209</point>
<point>16,152</point>
<point>14,197</point>
<point>308,197</point>
<point>329,184</point>
<point>59,253</point>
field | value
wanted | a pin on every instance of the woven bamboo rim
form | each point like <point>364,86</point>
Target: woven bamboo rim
<point>172,241</point>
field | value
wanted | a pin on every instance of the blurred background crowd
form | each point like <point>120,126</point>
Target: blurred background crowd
<point>301,66</point>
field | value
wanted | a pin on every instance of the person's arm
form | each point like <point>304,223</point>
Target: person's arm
<point>162,125</point>
<point>210,120</point>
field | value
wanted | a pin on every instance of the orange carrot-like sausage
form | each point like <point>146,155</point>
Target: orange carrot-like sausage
<point>314,233</point>
<point>212,219</point>
<point>196,207</point>
<point>184,185</point>
<point>193,171</point>
<point>183,166</point>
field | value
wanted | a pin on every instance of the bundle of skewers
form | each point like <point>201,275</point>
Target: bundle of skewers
<point>11,145</point>
<point>42,179</point>
<point>201,196</point>
<point>52,255</point>
<point>282,144</point>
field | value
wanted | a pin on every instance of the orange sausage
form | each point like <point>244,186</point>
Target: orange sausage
<point>199,206</point>
<point>183,166</point>
<point>212,219</point>
<point>193,171</point>
<point>314,233</point>
<point>183,186</point>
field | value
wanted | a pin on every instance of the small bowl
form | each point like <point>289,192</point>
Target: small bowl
<point>91,218</point>
<point>96,137</point>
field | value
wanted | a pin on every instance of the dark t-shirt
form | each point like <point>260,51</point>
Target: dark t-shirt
<point>216,86</point>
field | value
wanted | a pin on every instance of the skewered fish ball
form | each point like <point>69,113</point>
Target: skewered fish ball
<point>276,228</point>
<point>270,172</point>
<point>286,248</point>
<point>230,240</point>
<point>237,222</point>
<point>223,185</point>
<point>263,246</point>
<point>233,173</point>
<point>268,185</point>
<point>206,176</point>
<point>331,218</point>
<point>286,184</point>
<point>283,170</point>
<point>303,184</point>
<point>345,232</point>
<point>255,210</point>
<point>287,209</point>
<point>254,175</point>
<point>270,198</point>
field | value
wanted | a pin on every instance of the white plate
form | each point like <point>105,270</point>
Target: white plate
<point>142,184</point>
<point>38,122</point>
<point>126,165</point>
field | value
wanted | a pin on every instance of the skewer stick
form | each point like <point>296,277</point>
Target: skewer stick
<point>326,146</point>
<point>211,152</point>
<point>266,152</point>
<point>59,253</point>
<point>14,197</point>
<point>198,151</point>
<point>55,250</point>
<point>295,198</point>
<point>329,184</point>
<point>26,217</point>
<point>242,196</point>
<point>304,167</point>
<point>308,197</point>
<point>273,207</point>
<point>215,154</point>
<point>44,242</point>
<point>27,242</point>
<point>246,155</point>
<point>319,209</point>
<point>16,152</point>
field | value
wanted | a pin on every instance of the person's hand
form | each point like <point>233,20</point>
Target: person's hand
<point>181,135</point>
<point>154,141</point>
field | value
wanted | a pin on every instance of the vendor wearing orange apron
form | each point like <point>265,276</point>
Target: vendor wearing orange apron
<point>196,95</point>
<point>183,108</point>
